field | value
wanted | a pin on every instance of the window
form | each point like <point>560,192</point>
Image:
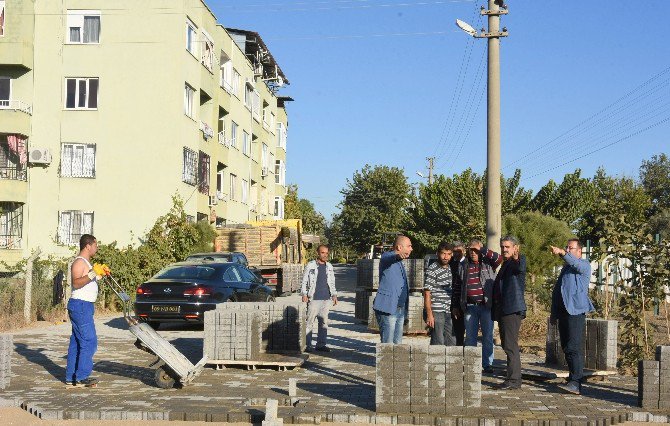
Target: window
<point>233,134</point>
<point>245,191</point>
<point>12,165</point>
<point>255,104</point>
<point>5,91</point>
<point>203,173</point>
<point>280,172</point>
<point>226,73</point>
<point>264,157</point>
<point>233,184</point>
<point>246,143</point>
<point>83,26</point>
<point>202,216</point>
<point>189,171</point>
<point>81,93</point>
<point>191,37</point>
<point>73,224</point>
<point>11,225</point>
<point>279,208</point>
<point>207,58</point>
<point>236,83</point>
<point>2,17</point>
<point>281,136</point>
<point>189,94</point>
<point>77,160</point>
<point>219,185</point>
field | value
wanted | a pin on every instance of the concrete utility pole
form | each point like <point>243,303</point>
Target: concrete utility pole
<point>430,169</point>
<point>493,198</point>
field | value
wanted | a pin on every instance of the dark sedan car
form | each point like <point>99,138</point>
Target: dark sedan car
<point>184,291</point>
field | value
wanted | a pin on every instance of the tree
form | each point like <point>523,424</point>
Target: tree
<point>613,197</point>
<point>567,201</point>
<point>451,208</point>
<point>375,201</point>
<point>655,178</point>
<point>514,198</point>
<point>536,232</point>
<point>299,208</point>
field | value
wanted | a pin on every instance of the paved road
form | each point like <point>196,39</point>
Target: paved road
<point>337,386</point>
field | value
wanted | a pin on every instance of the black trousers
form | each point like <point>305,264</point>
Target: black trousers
<point>509,335</point>
<point>571,330</point>
<point>458,325</point>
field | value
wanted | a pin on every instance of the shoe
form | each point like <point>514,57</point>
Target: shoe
<point>571,387</point>
<point>507,386</point>
<point>88,382</point>
<point>488,370</point>
<point>322,348</point>
<point>309,349</point>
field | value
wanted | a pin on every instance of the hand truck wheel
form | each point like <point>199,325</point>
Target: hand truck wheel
<point>164,377</point>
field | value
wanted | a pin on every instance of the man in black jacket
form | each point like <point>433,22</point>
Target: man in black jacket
<point>509,307</point>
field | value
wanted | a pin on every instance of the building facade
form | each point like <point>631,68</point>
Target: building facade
<point>109,109</point>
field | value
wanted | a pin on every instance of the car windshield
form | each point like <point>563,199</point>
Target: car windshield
<point>224,258</point>
<point>190,271</point>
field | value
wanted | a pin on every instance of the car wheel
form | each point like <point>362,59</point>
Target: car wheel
<point>164,377</point>
<point>154,324</point>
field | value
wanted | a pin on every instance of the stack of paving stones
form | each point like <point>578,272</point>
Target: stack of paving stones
<point>367,283</point>
<point>6,349</point>
<point>599,345</point>
<point>427,379</point>
<point>291,276</point>
<point>232,334</point>
<point>414,324</point>
<point>361,311</point>
<point>653,380</point>
<point>282,324</point>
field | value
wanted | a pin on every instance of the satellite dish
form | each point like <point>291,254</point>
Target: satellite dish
<point>466,27</point>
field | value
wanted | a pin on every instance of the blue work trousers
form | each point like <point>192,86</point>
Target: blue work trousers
<point>391,325</point>
<point>83,341</point>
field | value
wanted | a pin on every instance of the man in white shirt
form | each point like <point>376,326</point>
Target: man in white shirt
<point>80,308</point>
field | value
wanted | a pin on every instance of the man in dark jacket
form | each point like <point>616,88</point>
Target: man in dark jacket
<point>455,264</point>
<point>569,305</point>
<point>509,307</point>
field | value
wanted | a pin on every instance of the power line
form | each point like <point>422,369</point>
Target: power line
<point>658,123</point>
<point>625,96</point>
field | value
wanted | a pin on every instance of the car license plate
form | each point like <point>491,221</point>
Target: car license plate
<point>165,308</point>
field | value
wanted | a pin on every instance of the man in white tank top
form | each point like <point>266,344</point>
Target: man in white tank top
<point>80,308</point>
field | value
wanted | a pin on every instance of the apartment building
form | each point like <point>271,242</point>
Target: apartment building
<point>109,109</point>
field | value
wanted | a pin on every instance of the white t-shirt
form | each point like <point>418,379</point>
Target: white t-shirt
<point>88,292</point>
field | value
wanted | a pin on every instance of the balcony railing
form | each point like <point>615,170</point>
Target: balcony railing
<point>13,173</point>
<point>16,105</point>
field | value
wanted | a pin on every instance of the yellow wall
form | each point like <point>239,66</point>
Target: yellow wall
<point>139,127</point>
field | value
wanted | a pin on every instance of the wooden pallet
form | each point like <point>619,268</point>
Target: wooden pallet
<point>281,361</point>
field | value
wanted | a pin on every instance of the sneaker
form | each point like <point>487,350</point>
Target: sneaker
<point>88,382</point>
<point>488,370</point>
<point>323,348</point>
<point>571,387</point>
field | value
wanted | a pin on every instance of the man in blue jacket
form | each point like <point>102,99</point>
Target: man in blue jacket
<point>392,300</point>
<point>569,305</point>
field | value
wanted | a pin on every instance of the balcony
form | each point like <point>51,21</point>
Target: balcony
<point>13,184</point>
<point>15,116</point>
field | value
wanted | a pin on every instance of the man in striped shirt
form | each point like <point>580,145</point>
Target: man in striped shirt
<point>437,297</point>
<point>473,294</point>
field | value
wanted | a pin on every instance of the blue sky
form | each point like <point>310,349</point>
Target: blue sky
<point>394,81</point>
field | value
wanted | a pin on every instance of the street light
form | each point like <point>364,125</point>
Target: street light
<point>421,175</point>
<point>493,197</point>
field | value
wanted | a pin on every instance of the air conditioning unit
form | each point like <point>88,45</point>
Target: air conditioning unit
<point>264,171</point>
<point>40,156</point>
<point>213,200</point>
